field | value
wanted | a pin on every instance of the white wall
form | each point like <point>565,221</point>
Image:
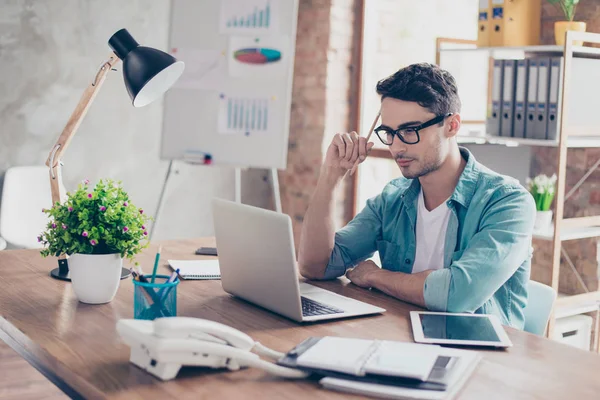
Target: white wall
<point>402,32</point>
<point>49,52</point>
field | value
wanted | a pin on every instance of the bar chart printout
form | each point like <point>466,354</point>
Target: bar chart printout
<point>245,116</point>
<point>247,16</point>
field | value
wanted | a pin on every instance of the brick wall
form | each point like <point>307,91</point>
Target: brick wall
<point>587,11</point>
<point>586,200</point>
<point>325,44</point>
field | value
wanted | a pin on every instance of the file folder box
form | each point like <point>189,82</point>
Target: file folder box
<point>494,120</point>
<point>520,114</point>
<point>508,96</point>
<point>515,22</point>
<point>540,123</point>
<point>532,82</point>
<point>483,33</point>
<point>556,70</point>
<point>575,331</point>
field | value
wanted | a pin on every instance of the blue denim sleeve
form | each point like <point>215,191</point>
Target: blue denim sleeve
<point>491,258</point>
<point>357,241</point>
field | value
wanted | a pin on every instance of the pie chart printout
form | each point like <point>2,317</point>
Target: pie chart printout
<point>257,55</point>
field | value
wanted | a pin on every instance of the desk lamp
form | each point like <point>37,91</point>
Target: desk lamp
<point>147,72</point>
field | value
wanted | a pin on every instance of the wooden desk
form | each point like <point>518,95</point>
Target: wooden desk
<point>76,345</point>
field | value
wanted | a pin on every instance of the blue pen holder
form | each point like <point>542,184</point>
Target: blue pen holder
<point>155,300</point>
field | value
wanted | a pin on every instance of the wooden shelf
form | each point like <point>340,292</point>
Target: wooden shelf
<point>547,49</point>
<point>569,234</point>
<point>574,309</point>
<point>578,299</point>
<point>572,142</point>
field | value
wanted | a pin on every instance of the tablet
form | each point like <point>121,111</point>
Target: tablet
<point>458,329</point>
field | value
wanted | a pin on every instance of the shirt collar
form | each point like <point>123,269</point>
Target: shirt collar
<point>465,188</point>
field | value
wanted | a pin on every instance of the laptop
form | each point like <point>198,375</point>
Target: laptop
<point>258,264</point>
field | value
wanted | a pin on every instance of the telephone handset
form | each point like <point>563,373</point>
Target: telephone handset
<point>164,345</point>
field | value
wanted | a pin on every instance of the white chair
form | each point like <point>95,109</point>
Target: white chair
<point>539,307</point>
<point>26,191</point>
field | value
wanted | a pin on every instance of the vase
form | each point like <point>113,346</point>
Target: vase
<point>95,277</point>
<point>561,27</point>
<point>543,221</point>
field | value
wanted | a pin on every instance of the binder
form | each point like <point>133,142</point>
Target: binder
<point>515,22</point>
<point>532,82</point>
<point>483,33</point>
<point>540,124</point>
<point>520,114</point>
<point>497,23</point>
<point>508,96</point>
<point>493,126</point>
<point>556,68</point>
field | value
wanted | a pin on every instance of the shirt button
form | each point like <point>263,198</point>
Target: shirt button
<point>407,261</point>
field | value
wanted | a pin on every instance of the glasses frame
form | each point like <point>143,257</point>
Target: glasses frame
<point>415,129</point>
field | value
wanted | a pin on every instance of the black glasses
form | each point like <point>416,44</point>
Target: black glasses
<point>409,135</point>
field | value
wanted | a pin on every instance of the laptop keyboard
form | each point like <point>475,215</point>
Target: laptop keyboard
<point>311,308</point>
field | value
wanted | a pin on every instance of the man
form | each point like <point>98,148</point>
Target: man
<point>451,234</point>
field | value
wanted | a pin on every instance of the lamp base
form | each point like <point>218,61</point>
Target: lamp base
<point>62,272</point>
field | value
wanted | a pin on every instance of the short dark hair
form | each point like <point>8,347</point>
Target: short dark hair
<point>426,84</point>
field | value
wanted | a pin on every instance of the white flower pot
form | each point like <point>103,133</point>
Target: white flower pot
<point>543,221</point>
<point>95,277</point>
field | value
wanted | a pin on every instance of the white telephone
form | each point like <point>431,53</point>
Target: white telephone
<point>164,345</point>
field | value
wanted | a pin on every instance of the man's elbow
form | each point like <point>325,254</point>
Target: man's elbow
<point>314,272</point>
<point>463,305</point>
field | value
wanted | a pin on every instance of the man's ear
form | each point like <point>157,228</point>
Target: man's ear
<point>453,125</point>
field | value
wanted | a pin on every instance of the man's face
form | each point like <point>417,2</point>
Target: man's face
<point>414,160</point>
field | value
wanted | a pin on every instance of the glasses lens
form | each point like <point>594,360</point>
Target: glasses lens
<point>409,136</point>
<point>385,136</point>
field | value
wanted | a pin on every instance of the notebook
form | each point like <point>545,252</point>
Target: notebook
<point>360,357</point>
<point>459,372</point>
<point>409,365</point>
<point>197,269</point>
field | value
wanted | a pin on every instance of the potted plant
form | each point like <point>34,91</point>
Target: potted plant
<point>567,7</point>
<point>96,228</point>
<point>542,189</point>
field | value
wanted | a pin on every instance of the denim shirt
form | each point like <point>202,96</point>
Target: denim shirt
<point>487,251</point>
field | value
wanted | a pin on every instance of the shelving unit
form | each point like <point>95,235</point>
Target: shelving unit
<point>564,229</point>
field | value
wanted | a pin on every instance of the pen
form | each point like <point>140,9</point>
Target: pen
<point>165,291</point>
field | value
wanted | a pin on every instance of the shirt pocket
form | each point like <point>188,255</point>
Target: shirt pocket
<point>390,255</point>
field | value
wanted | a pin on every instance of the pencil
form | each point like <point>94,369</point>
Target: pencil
<point>156,264</point>
<point>368,137</point>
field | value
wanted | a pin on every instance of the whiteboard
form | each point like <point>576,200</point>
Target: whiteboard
<point>233,100</point>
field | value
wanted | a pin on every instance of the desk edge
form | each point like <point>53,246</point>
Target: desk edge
<point>47,365</point>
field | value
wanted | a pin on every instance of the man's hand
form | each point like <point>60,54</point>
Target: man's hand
<point>362,274</point>
<point>345,149</point>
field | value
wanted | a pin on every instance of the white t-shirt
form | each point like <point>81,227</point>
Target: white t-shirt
<point>431,236</point>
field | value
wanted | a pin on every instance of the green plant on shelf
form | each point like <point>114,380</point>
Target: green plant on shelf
<point>566,6</point>
<point>542,188</point>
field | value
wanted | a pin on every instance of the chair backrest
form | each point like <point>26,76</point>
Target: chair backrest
<point>26,191</point>
<point>539,307</point>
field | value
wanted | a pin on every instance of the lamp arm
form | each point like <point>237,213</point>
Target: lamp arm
<point>70,129</point>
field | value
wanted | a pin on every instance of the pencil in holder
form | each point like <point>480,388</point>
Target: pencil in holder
<point>155,300</point>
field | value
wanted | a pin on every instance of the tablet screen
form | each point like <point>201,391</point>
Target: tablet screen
<point>458,327</point>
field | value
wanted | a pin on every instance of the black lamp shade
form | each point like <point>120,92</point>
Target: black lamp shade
<point>147,72</point>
